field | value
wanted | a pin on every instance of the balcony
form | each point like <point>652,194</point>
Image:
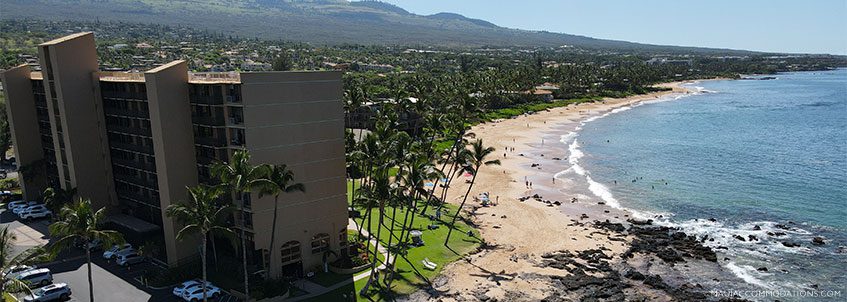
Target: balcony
<point>129,130</point>
<point>206,99</point>
<point>131,147</point>
<point>210,141</point>
<point>208,120</point>
<point>126,112</point>
<point>137,164</point>
<point>141,182</point>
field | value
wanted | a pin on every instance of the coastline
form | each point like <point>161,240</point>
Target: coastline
<point>542,236</point>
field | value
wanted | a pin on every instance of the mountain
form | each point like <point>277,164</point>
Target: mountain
<point>316,21</point>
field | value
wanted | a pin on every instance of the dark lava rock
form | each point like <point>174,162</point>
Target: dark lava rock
<point>614,227</point>
<point>655,281</point>
<point>790,244</point>
<point>640,222</point>
<point>818,241</point>
<point>634,275</point>
<point>762,269</point>
<point>738,237</point>
<point>757,228</point>
<point>752,238</point>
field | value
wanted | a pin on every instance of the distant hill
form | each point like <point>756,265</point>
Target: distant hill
<point>317,21</point>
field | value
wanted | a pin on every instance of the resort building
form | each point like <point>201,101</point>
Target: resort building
<point>133,142</point>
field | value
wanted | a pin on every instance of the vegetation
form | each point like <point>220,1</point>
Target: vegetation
<point>201,216</point>
<point>9,285</point>
<point>240,178</point>
<point>79,223</point>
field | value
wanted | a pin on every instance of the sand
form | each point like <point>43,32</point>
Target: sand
<point>522,231</point>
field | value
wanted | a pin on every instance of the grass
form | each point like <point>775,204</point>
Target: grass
<point>408,279</point>
<point>517,110</point>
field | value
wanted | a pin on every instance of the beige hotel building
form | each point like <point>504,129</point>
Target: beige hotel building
<point>133,141</point>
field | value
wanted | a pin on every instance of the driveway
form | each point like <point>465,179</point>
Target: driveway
<point>111,281</point>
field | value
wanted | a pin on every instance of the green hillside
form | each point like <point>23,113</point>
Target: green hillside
<point>316,21</point>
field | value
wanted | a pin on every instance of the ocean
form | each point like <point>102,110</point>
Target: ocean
<point>764,160</point>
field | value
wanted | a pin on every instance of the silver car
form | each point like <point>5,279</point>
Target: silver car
<point>53,292</point>
<point>36,277</point>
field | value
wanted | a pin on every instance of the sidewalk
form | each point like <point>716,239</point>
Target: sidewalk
<point>315,290</point>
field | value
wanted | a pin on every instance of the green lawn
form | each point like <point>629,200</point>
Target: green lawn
<point>409,281</point>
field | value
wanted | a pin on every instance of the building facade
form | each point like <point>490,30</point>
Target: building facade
<point>133,142</point>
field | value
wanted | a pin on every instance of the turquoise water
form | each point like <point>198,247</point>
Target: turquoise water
<point>747,153</point>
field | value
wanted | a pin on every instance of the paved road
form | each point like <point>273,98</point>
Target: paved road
<point>111,281</point>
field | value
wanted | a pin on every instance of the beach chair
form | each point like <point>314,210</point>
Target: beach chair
<point>429,264</point>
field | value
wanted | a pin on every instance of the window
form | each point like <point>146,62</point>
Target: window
<point>290,252</point>
<point>320,243</point>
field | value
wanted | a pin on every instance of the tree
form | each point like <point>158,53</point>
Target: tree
<point>56,198</point>
<point>476,159</point>
<point>280,181</point>
<point>282,63</point>
<point>202,216</point>
<point>10,285</point>
<point>5,134</point>
<point>80,223</point>
<point>241,178</point>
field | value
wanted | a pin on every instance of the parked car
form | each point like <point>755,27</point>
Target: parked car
<point>15,203</point>
<point>5,193</point>
<point>17,210</point>
<point>117,249</point>
<point>36,277</point>
<point>179,289</point>
<point>58,291</point>
<point>36,211</point>
<point>129,259</point>
<point>16,270</point>
<point>195,293</point>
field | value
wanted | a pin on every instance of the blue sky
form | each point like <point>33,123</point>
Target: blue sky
<point>800,26</point>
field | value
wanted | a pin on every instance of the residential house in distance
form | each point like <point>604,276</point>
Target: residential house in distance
<point>133,141</point>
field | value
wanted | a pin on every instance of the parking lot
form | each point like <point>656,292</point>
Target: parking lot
<point>111,281</point>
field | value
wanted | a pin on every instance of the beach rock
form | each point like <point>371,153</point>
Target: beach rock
<point>601,203</point>
<point>790,244</point>
<point>757,228</point>
<point>739,238</point>
<point>640,222</point>
<point>818,241</point>
<point>655,281</point>
<point>762,269</point>
<point>713,220</point>
<point>752,238</point>
<point>782,226</point>
<point>583,216</point>
<point>634,275</point>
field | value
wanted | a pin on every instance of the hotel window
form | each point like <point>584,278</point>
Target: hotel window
<point>290,252</point>
<point>320,243</point>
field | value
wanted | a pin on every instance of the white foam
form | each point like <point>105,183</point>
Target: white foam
<point>745,272</point>
<point>603,192</point>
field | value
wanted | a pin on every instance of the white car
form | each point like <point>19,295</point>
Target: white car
<point>13,204</point>
<point>52,292</point>
<point>179,289</point>
<point>36,211</point>
<point>36,277</point>
<point>16,270</point>
<point>195,293</point>
<point>129,258</point>
<point>18,207</point>
<point>117,249</point>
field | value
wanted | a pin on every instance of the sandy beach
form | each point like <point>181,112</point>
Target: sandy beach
<point>519,233</point>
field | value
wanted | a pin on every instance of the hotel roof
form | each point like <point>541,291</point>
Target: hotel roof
<point>66,38</point>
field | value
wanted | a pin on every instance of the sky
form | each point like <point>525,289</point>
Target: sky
<point>800,26</point>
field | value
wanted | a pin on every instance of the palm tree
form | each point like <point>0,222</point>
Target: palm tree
<point>10,285</point>
<point>79,222</point>
<point>55,198</point>
<point>476,159</point>
<point>241,178</point>
<point>280,182</point>
<point>202,216</point>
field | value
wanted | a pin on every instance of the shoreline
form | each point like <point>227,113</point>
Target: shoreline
<point>542,224</point>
